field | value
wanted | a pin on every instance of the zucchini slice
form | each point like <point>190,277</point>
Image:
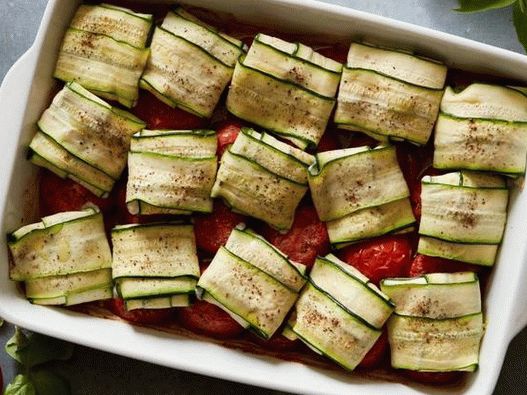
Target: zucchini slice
<point>480,144</point>
<point>158,250</point>
<point>60,244</point>
<point>390,94</point>
<point>218,45</point>
<point>70,288</point>
<point>165,302</point>
<point>171,172</point>
<point>190,64</point>
<point>155,265</point>
<point>371,222</point>
<point>438,324</point>
<point>348,180</point>
<point>257,299</point>
<point>483,128</point>
<point>386,107</point>
<point>397,64</point>
<point>268,154</point>
<point>456,212</point>
<point>287,66</point>
<point>339,313</point>
<point>104,50</point>
<point>250,188</point>
<point>283,107</point>
<point>119,23</point>
<point>253,248</point>
<point>463,216</point>
<point>84,138</point>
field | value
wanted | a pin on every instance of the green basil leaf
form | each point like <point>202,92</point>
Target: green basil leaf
<point>520,22</point>
<point>34,349</point>
<point>49,383</point>
<point>482,5</point>
<point>15,346</point>
<point>20,386</point>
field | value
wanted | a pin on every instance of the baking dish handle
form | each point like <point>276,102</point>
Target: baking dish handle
<point>14,92</point>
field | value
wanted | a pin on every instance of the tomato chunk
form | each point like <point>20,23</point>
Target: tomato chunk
<point>140,316</point>
<point>307,238</point>
<point>338,52</point>
<point>423,264</point>
<point>377,353</point>
<point>383,257</point>
<point>434,378</point>
<point>62,194</point>
<point>207,319</point>
<point>212,230</point>
<point>159,115</point>
<point>328,142</point>
<point>227,133</point>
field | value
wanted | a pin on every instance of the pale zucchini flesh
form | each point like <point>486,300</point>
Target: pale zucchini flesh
<point>62,286</point>
<point>385,106</point>
<point>154,250</point>
<point>288,67</point>
<point>45,152</point>
<point>90,129</point>
<point>478,254</point>
<point>102,64</point>
<point>211,41</point>
<point>463,214</point>
<point>251,145</point>
<point>330,330</point>
<point>119,23</point>
<point>371,222</point>
<point>356,295</point>
<point>170,182</point>
<point>478,144</point>
<point>73,246</point>
<point>251,189</point>
<point>253,248</point>
<point>164,302</point>
<point>279,106</point>
<point>428,345</point>
<point>248,292</point>
<point>184,75</point>
<point>361,179</point>
<point>190,143</point>
<point>451,297</point>
<point>487,102</point>
<point>396,64</point>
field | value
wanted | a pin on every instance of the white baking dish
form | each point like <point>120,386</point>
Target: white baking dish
<point>25,93</point>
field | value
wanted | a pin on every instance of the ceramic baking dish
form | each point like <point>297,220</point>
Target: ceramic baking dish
<point>24,94</point>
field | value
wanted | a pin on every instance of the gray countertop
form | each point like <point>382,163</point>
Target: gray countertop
<point>96,372</point>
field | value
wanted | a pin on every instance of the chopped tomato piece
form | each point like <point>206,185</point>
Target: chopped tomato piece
<point>207,319</point>
<point>434,378</point>
<point>62,194</point>
<point>338,52</point>
<point>383,257</point>
<point>328,142</point>
<point>359,139</point>
<point>423,264</point>
<point>212,230</point>
<point>227,133</point>
<point>377,353</point>
<point>159,115</point>
<point>307,238</point>
<point>140,316</point>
